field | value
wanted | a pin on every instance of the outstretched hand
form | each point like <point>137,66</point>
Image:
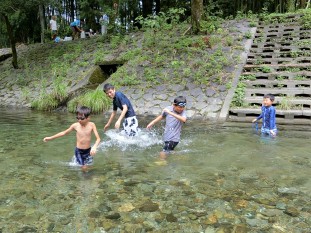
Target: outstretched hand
<point>46,139</point>
<point>106,127</point>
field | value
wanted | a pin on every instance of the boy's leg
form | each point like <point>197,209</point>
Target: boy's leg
<point>73,32</point>
<point>78,156</point>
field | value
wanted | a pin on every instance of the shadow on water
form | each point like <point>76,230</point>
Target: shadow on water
<point>219,179</point>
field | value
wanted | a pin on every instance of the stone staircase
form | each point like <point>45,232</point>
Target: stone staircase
<point>279,62</point>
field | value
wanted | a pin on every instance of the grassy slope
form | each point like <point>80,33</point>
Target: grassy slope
<point>153,57</point>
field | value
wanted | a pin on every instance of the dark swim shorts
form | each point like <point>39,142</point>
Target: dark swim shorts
<point>83,156</point>
<point>169,146</point>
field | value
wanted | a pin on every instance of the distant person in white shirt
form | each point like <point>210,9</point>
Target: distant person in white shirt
<point>104,21</point>
<point>53,27</point>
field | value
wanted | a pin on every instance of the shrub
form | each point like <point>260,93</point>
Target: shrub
<point>96,100</point>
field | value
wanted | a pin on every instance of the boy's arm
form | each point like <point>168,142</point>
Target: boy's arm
<point>110,120</point>
<point>94,147</point>
<point>60,134</point>
<point>157,119</point>
<point>272,118</point>
<point>118,123</point>
<point>260,116</point>
<point>177,116</point>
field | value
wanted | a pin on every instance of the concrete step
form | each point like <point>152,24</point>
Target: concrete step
<point>277,68</point>
<point>283,114</point>
<point>289,92</point>
<point>284,75</point>
<point>279,121</point>
<point>292,103</point>
<point>278,61</point>
<point>278,83</point>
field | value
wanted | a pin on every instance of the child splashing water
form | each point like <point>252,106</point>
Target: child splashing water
<point>83,152</point>
<point>175,116</point>
<point>119,100</point>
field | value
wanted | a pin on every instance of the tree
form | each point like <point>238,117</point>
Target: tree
<point>90,11</point>
<point>18,15</point>
<point>11,12</point>
<point>196,13</point>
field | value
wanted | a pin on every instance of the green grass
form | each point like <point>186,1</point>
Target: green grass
<point>96,100</point>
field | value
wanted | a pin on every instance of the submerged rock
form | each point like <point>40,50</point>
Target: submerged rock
<point>149,206</point>
<point>288,190</point>
<point>292,211</point>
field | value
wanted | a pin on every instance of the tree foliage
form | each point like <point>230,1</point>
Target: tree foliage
<point>19,19</point>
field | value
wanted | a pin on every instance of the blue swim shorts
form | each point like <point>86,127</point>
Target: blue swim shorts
<point>83,156</point>
<point>267,131</point>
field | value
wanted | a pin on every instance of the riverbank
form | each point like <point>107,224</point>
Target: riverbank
<point>150,72</point>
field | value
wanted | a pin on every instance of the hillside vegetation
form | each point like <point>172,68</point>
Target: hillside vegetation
<point>163,52</point>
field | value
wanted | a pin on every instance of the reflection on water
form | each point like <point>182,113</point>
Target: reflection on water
<point>218,180</point>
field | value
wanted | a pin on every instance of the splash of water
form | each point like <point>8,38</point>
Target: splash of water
<point>143,139</point>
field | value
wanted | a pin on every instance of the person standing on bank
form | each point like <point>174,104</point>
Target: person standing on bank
<point>53,27</point>
<point>75,28</point>
<point>130,123</point>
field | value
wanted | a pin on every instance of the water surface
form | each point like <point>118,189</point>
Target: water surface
<point>218,180</point>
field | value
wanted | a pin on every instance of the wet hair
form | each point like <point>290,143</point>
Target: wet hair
<point>269,96</point>
<point>108,87</point>
<point>180,100</point>
<point>83,110</point>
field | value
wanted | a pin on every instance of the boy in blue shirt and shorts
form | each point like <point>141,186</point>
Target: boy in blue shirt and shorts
<point>268,116</point>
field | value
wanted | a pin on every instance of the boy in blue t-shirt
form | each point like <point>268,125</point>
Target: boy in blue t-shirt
<point>268,116</point>
<point>175,116</point>
<point>130,123</point>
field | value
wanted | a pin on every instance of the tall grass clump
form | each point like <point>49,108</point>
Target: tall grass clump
<point>96,100</point>
<point>45,102</point>
<point>50,101</point>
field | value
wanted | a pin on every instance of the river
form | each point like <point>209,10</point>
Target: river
<point>219,179</point>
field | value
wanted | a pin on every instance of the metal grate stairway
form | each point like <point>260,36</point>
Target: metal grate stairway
<point>279,62</point>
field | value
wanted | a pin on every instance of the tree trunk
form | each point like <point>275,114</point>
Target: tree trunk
<point>158,6</point>
<point>12,40</point>
<point>72,10</point>
<point>41,16</point>
<point>196,13</point>
<point>147,7</point>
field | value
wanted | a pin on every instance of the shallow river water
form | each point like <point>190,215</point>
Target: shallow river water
<point>219,179</point>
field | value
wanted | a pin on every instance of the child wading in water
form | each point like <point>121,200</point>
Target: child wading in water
<point>268,116</point>
<point>175,116</point>
<point>119,100</point>
<point>84,129</point>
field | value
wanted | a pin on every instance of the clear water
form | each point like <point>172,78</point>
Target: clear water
<point>218,179</point>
